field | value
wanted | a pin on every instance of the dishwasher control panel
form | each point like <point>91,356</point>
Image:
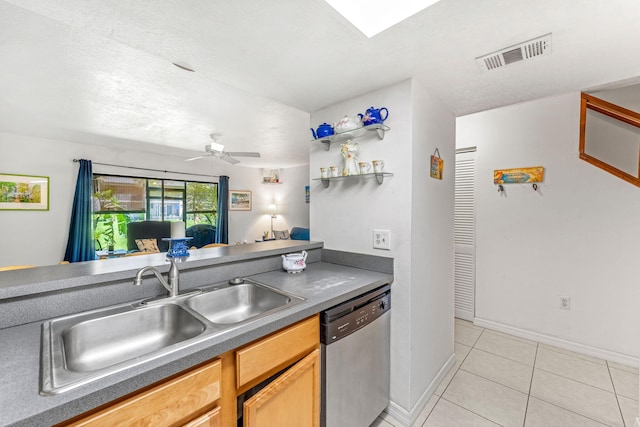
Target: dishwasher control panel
<point>348,317</point>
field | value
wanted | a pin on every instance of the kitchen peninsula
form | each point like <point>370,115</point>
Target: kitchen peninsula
<point>29,297</point>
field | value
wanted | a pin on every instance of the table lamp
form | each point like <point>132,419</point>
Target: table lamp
<point>272,211</point>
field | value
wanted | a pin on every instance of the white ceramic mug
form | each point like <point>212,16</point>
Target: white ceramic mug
<point>378,165</point>
<point>335,172</point>
<point>323,173</point>
<point>364,167</point>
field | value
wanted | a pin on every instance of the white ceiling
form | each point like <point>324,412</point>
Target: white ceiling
<point>99,71</point>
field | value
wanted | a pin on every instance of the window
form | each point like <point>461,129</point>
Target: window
<point>119,200</point>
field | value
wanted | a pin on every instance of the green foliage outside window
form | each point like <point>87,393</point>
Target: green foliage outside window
<point>201,203</point>
<point>115,196</point>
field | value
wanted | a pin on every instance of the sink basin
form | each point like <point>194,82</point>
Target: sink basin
<point>237,303</point>
<point>80,348</point>
<point>106,341</point>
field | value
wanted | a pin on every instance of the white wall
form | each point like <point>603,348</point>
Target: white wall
<point>432,289</point>
<point>289,197</point>
<point>577,236</point>
<point>40,236</point>
<point>414,210</point>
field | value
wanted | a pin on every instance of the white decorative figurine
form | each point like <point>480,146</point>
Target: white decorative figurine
<point>349,153</point>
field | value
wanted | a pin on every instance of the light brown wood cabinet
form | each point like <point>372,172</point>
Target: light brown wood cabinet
<point>210,419</point>
<point>263,358</point>
<point>170,403</point>
<point>291,400</point>
<point>206,396</point>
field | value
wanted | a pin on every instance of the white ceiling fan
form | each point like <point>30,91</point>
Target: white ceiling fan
<point>216,150</point>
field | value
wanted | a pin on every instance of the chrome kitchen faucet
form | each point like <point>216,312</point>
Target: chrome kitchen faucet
<point>171,286</point>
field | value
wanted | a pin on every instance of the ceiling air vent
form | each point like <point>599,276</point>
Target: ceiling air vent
<point>520,52</point>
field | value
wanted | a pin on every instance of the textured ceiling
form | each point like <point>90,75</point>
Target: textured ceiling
<point>99,71</point>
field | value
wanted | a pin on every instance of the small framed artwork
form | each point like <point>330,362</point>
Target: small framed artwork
<point>239,200</point>
<point>24,193</point>
<point>307,193</point>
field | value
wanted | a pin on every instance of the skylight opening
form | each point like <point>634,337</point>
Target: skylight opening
<point>372,17</point>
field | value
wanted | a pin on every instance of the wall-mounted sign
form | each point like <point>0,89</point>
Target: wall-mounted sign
<point>437,165</point>
<point>518,175</point>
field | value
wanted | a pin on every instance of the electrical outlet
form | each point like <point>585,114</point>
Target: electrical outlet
<point>382,239</point>
<point>565,303</point>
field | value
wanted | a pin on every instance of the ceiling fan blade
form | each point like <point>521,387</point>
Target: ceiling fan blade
<point>243,154</point>
<point>195,158</point>
<point>227,158</point>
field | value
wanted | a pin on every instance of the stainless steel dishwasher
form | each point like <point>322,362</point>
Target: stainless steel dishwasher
<point>355,359</point>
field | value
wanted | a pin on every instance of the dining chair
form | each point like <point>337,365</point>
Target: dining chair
<point>214,245</point>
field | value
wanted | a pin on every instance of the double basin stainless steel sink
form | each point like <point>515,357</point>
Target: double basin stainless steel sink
<point>81,348</point>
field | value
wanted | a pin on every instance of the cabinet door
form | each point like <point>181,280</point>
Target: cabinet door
<point>210,419</point>
<point>292,400</point>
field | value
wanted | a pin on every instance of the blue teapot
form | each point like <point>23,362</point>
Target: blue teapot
<point>323,131</point>
<point>374,115</point>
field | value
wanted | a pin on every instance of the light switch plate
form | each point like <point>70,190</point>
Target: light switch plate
<point>382,239</point>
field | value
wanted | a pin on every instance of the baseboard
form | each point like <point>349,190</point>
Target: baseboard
<point>407,418</point>
<point>611,356</point>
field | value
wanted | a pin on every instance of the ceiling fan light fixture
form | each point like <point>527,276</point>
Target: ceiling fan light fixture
<point>214,147</point>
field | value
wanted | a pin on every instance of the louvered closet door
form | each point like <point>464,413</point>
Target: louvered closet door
<point>464,234</point>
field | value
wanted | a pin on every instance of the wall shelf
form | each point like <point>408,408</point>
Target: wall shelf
<point>379,178</point>
<point>379,128</point>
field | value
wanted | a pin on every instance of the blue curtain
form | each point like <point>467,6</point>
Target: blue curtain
<point>222,225</point>
<point>81,244</point>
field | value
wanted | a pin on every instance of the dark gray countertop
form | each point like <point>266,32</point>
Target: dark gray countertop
<point>322,284</point>
<point>20,283</point>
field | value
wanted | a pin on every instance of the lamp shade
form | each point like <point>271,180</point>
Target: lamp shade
<point>272,208</point>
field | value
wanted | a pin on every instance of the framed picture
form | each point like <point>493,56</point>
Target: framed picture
<point>239,200</point>
<point>24,192</point>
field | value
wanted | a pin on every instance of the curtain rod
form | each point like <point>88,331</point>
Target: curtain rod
<point>152,170</point>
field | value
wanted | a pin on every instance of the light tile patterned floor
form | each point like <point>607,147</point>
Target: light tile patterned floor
<point>503,380</point>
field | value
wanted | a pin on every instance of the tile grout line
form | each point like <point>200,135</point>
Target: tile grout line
<point>578,381</point>
<point>469,410</point>
<point>533,370</point>
<point>431,411</point>
<point>585,358</point>
<point>492,381</point>
<point>476,341</point>
<point>573,412</point>
<point>504,357</point>
<point>613,384</point>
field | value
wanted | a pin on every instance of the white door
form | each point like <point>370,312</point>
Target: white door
<point>464,234</point>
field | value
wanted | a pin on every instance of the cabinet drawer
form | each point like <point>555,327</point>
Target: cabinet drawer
<point>171,403</point>
<point>278,350</point>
